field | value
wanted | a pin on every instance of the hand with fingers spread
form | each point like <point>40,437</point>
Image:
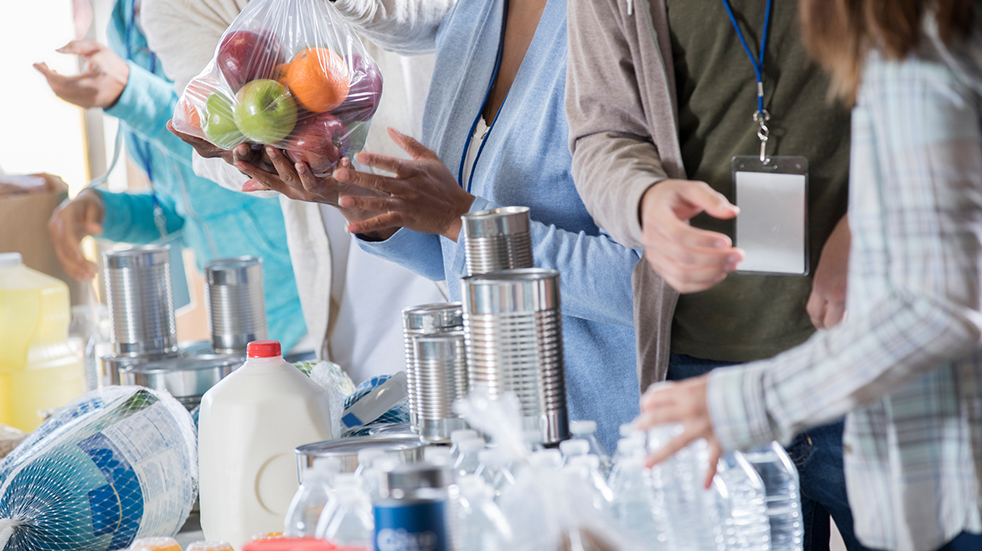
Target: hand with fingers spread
<point>689,259</point>
<point>827,303</point>
<point>102,81</point>
<point>682,403</point>
<point>423,196</point>
<point>71,221</point>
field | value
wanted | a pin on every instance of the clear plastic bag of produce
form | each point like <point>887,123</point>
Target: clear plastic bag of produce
<point>546,509</point>
<point>290,73</point>
<point>115,465</point>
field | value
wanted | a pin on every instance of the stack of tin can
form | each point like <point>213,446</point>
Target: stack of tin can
<point>143,327</point>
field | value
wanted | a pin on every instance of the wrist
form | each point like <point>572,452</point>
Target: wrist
<point>121,80</point>
<point>452,232</point>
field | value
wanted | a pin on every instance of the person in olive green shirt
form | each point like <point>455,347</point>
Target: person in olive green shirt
<point>660,98</point>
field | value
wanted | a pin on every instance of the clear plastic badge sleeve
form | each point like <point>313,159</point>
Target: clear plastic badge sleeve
<point>113,466</point>
<point>288,73</point>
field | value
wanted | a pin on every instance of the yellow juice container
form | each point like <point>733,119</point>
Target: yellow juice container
<point>38,370</point>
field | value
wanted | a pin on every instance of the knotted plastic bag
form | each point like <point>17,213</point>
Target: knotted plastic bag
<point>546,509</point>
<point>115,465</point>
<point>290,73</point>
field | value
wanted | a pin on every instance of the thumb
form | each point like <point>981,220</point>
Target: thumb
<point>85,47</point>
<point>410,145</point>
<point>93,228</point>
<point>715,204</point>
<point>45,70</point>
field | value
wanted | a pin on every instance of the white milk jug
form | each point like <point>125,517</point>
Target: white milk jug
<point>248,427</point>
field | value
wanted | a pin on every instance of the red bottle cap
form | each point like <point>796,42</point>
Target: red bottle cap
<point>294,544</point>
<point>264,349</point>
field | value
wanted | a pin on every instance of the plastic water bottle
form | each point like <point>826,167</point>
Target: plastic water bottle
<point>587,430</point>
<point>552,459</point>
<point>479,520</point>
<point>741,509</point>
<point>503,478</point>
<point>468,460</point>
<point>573,448</point>
<point>533,440</point>
<point>632,498</point>
<point>678,484</point>
<point>587,469</point>
<point>458,436</point>
<point>781,484</point>
<point>490,463</point>
<point>309,503</point>
<point>348,520</point>
<point>438,455</point>
<point>371,463</point>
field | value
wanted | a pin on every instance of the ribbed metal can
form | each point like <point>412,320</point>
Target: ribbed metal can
<point>140,300</point>
<point>417,321</point>
<point>514,338</point>
<point>441,378</point>
<point>235,301</point>
<point>497,239</point>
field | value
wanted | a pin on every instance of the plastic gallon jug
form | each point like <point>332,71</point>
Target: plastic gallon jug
<point>248,427</point>
<point>38,370</point>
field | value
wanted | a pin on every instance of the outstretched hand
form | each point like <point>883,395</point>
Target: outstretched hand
<point>423,196</point>
<point>682,403</point>
<point>102,80</point>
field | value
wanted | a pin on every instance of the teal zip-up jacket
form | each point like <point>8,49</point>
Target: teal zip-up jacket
<point>215,223</point>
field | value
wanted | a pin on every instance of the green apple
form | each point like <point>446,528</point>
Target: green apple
<point>218,122</point>
<point>265,112</point>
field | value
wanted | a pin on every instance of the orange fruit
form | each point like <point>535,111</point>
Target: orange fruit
<point>279,75</point>
<point>318,78</point>
<point>195,94</point>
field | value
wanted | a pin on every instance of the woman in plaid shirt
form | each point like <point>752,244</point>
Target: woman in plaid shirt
<point>906,365</point>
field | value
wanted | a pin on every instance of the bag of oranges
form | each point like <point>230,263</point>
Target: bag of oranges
<point>289,73</point>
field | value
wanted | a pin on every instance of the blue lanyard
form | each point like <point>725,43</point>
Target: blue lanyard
<point>757,62</point>
<point>761,116</point>
<point>487,94</point>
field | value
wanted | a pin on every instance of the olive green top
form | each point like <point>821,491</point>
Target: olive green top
<point>750,317</point>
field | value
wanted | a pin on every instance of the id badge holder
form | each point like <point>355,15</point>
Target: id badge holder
<point>772,228</point>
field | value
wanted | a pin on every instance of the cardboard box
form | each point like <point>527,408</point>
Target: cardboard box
<point>24,227</point>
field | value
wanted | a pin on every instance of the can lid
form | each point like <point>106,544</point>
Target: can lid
<point>264,349</point>
<point>10,259</point>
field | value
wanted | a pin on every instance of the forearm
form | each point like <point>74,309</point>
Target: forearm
<point>403,26</point>
<point>129,218</point>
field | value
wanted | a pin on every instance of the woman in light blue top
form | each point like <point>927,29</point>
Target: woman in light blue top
<point>484,74</point>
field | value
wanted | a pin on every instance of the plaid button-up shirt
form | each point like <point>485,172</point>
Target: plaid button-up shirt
<point>906,364</point>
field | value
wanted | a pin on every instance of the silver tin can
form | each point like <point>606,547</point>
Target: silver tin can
<point>498,239</point>
<point>342,454</point>
<point>236,305</point>
<point>114,366</point>
<point>141,304</point>
<point>514,337</point>
<point>417,321</point>
<point>441,375</point>
<point>186,379</point>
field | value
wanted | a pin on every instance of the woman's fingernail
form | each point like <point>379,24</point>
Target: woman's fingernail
<point>720,244</point>
<point>733,258</point>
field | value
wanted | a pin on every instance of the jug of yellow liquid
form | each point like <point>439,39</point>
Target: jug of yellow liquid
<point>38,370</point>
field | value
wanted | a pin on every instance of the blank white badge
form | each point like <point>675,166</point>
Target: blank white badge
<point>772,228</point>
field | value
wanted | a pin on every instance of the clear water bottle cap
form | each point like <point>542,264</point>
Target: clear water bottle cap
<point>630,445</point>
<point>589,461</point>
<point>10,259</point>
<point>437,455</point>
<point>628,429</point>
<point>578,428</point>
<point>574,447</point>
<point>463,434</point>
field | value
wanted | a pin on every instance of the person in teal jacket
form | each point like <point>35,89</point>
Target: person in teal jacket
<point>128,83</point>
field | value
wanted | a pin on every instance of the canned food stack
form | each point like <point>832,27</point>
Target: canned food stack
<point>513,333</point>
<point>236,307</point>
<point>497,239</point>
<point>141,306</point>
<point>417,321</point>
<point>441,374</point>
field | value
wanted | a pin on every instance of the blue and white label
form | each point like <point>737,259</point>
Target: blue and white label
<point>417,526</point>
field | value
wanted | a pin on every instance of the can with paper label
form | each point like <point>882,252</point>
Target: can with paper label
<point>413,513</point>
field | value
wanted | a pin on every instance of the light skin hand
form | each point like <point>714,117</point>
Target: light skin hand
<point>71,221</point>
<point>689,259</point>
<point>101,82</point>
<point>827,303</point>
<point>682,403</point>
<point>423,196</point>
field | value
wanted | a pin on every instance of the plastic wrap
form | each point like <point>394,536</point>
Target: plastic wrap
<point>546,508</point>
<point>115,465</point>
<point>290,73</point>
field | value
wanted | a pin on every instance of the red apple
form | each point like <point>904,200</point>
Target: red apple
<point>364,93</point>
<point>245,56</point>
<point>320,141</point>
